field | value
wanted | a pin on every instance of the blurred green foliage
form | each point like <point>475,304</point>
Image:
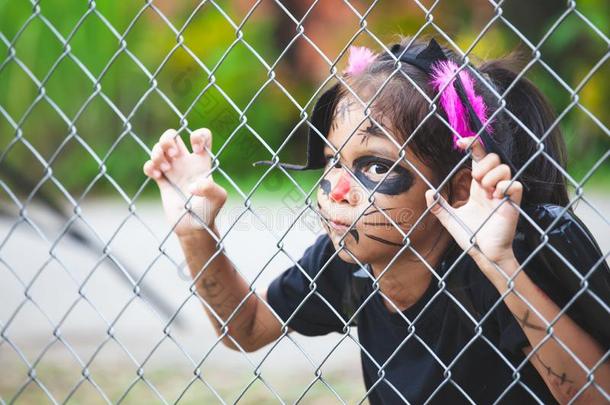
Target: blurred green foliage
<point>100,110</point>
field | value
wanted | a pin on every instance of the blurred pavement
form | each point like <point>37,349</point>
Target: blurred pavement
<point>54,287</point>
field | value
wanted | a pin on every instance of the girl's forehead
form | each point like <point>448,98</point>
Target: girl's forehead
<point>360,134</point>
<point>350,121</point>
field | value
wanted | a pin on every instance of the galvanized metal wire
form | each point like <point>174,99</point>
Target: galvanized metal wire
<point>77,220</point>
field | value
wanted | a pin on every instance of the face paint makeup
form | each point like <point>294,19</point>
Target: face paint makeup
<point>384,241</point>
<point>386,223</point>
<point>371,130</point>
<point>397,182</point>
<point>376,210</point>
<point>342,112</point>
<point>341,188</point>
<point>325,186</point>
<point>352,232</point>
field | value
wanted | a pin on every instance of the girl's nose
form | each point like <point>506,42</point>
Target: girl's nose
<point>341,189</point>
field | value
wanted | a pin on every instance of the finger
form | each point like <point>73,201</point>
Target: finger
<point>168,144</point>
<point>441,209</point>
<point>447,217</point>
<point>158,158</point>
<point>495,175</point>
<point>182,149</point>
<point>511,188</point>
<point>201,139</point>
<point>483,166</point>
<point>214,195</point>
<point>474,143</point>
<point>151,171</point>
<point>206,187</point>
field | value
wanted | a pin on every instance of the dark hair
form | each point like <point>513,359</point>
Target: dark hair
<point>402,106</point>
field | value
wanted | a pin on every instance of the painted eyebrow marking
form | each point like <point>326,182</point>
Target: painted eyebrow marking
<point>372,130</point>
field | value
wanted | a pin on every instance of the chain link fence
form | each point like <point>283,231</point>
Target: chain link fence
<point>90,312</point>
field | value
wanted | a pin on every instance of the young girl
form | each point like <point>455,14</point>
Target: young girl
<point>447,244</point>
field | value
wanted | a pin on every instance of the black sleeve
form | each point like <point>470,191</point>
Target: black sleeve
<point>479,298</point>
<point>506,333</point>
<point>316,306</point>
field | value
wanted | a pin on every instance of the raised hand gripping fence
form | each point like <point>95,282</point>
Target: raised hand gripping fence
<point>87,312</point>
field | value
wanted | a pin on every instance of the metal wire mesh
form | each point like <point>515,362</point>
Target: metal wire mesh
<point>83,227</point>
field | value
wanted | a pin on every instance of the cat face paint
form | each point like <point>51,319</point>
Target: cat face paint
<point>368,150</point>
<point>370,170</point>
<point>324,219</point>
<point>342,112</point>
<point>341,189</point>
<point>325,186</point>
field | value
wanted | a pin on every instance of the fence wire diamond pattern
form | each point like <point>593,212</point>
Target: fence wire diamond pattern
<point>78,225</point>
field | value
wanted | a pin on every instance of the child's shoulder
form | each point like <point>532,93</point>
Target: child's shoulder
<point>550,228</point>
<point>558,251</point>
<point>555,220</point>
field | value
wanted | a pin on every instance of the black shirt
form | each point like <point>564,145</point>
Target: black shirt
<point>433,351</point>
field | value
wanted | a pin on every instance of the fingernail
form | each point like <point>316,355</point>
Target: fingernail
<point>172,152</point>
<point>165,167</point>
<point>196,148</point>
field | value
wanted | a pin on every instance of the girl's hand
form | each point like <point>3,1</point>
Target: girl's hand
<point>490,181</point>
<point>180,174</point>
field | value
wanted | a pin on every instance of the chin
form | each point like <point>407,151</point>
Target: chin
<point>348,245</point>
<point>346,257</point>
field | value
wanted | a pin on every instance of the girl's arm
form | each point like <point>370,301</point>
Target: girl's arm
<point>183,175</point>
<point>484,223</point>
<point>564,373</point>
<point>222,288</point>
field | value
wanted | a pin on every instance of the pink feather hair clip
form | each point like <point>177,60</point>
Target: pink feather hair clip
<point>442,73</point>
<point>360,57</point>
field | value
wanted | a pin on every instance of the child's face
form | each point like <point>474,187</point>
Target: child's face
<point>369,154</point>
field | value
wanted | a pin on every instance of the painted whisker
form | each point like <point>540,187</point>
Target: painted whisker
<point>384,241</point>
<point>386,223</point>
<point>378,210</point>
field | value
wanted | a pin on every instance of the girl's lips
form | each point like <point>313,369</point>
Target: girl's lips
<point>338,225</point>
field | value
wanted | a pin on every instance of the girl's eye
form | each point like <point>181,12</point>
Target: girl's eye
<point>378,168</point>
